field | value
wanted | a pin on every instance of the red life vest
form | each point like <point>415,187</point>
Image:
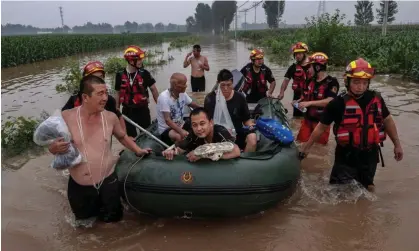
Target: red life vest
<point>261,84</point>
<point>300,77</point>
<point>359,129</point>
<point>315,92</point>
<point>135,95</point>
<point>77,101</point>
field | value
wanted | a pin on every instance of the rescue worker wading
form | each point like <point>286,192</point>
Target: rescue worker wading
<point>316,95</point>
<point>362,121</point>
<point>132,93</point>
<point>256,74</point>
<point>300,72</point>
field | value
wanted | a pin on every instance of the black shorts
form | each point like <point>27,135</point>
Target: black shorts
<point>352,165</point>
<point>165,135</point>
<point>140,116</point>
<point>241,139</point>
<point>86,202</point>
<point>198,84</point>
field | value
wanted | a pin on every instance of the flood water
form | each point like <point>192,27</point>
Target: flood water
<point>36,214</point>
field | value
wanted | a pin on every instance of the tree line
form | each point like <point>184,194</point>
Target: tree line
<point>218,17</point>
<point>90,28</point>
<point>364,14</point>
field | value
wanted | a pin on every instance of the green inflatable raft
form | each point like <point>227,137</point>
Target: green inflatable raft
<point>225,188</point>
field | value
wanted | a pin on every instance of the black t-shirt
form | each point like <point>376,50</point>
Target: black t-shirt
<point>334,110</point>
<point>148,80</point>
<point>255,95</point>
<point>291,70</point>
<point>191,142</point>
<point>237,107</point>
<point>109,106</point>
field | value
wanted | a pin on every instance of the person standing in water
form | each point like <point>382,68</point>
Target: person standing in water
<point>257,74</point>
<point>361,124</point>
<point>199,64</point>
<point>132,86</point>
<point>301,72</point>
<point>93,187</point>
<point>95,68</point>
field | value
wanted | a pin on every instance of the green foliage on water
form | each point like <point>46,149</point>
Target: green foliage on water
<point>182,42</point>
<point>17,134</point>
<point>18,50</point>
<point>397,52</point>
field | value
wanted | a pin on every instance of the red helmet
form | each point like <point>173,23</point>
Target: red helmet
<point>133,53</point>
<point>319,58</point>
<point>256,54</point>
<point>359,69</point>
<point>299,47</point>
<point>92,67</point>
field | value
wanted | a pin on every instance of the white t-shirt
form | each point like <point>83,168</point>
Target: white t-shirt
<point>166,103</point>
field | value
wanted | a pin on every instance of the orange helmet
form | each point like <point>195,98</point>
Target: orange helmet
<point>133,53</point>
<point>299,47</point>
<point>256,54</point>
<point>92,67</point>
<point>359,69</point>
<point>319,58</point>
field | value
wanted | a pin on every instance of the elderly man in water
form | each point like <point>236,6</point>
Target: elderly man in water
<point>93,189</point>
<point>203,132</point>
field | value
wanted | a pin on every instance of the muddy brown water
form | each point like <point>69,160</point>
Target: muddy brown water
<point>36,214</point>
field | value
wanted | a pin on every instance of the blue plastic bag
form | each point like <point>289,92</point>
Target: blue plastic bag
<point>274,130</point>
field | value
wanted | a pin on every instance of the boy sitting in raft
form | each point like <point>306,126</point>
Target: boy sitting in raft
<point>203,131</point>
<point>170,104</point>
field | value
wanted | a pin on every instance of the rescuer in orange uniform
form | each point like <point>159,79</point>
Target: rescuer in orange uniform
<point>317,93</point>
<point>301,71</point>
<point>362,122</point>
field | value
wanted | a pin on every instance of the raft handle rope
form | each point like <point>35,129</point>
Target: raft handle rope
<point>125,182</point>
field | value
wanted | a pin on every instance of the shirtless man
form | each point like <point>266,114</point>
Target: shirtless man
<point>198,64</point>
<point>93,188</point>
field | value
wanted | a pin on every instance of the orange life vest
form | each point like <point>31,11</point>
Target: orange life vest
<point>262,87</point>
<point>135,95</point>
<point>359,129</point>
<point>300,77</point>
<point>315,92</point>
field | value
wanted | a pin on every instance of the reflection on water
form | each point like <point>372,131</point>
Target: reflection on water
<point>36,214</point>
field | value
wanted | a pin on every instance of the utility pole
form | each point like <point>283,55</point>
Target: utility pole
<point>245,22</point>
<point>384,28</point>
<point>321,9</point>
<point>62,17</point>
<point>255,14</point>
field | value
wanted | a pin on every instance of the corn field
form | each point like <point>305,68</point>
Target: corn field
<point>18,50</point>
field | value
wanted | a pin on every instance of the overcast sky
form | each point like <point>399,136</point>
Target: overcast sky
<point>45,14</point>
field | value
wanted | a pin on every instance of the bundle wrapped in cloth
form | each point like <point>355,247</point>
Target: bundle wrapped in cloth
<point>52,128</point>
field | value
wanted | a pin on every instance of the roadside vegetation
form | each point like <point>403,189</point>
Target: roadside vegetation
<point>397,52</point>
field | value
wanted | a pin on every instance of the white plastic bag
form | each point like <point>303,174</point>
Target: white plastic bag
<point>52,128</point>
<point>221,114</point>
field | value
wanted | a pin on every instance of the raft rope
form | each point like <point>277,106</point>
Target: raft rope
<point>104,124</point>
<point>125,182</point>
